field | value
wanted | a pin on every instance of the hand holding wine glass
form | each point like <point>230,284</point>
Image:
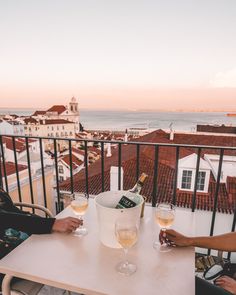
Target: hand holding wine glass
<point>126,231</point>
<point>79,206</point>
<point>164,216</point>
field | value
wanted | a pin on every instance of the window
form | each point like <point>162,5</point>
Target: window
<point>61,178</point>
<point>186,179</point>
<point>201,180</point>
<point>60,169</point>
<point>52,128</point>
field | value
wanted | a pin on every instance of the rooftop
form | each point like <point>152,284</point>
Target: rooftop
<point>166,171</point>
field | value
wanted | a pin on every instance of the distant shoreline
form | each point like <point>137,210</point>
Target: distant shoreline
<point>125,110</point>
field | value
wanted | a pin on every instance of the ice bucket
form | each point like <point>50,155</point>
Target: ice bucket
<point>107,215</point>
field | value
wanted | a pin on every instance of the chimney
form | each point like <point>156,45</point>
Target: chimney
<point>126,135</point>
<point>114,173</point>
<point>171,131</point>
<point>109,150</point>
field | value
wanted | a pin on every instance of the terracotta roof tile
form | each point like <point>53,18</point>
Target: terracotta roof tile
<point>30,121</point>
<point>20,147</point>
<point>36,113</point>
<point>57,108</point>
<point>166,172</point>
<point>55,121</point>
<point>11,168</point>
<point>75,161</point>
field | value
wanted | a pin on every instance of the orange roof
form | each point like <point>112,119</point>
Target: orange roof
<point>75,161</point>
<point>57,109</point>
<point>30,120</point>
<point>77,151</point>
<point>55,121</point>
<point>166,172</point>
<point>20,146</point>
<point>11,168</point>
<point>36,113</point>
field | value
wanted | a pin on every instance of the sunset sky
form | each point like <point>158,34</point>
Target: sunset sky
<point>118,54</point>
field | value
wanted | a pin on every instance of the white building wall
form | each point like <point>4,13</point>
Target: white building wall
<point>228,166</point>
<point>190,163</point>
<point>6,128</point>
<point>223,224</point>
<point>51,130</point>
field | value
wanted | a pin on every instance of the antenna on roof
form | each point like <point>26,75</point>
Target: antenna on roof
<point>171,131</point>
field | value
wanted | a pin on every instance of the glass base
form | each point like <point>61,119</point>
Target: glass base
<point>126,268</point>
<point>162,247</point>
<point>80,232</point>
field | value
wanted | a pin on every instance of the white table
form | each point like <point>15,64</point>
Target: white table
<point>87,266</point>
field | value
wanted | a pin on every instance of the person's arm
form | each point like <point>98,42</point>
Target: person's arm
<point>224,242</point>
<point>227,283</point>
<point>37,225</point>
<point>26,223</point>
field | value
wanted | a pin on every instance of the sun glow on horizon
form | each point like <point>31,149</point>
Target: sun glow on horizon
<point>129,55</point>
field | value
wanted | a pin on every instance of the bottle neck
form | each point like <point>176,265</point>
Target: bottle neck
<point>137,188</point>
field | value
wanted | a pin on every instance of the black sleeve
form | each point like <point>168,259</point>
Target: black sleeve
<point>25,223</point>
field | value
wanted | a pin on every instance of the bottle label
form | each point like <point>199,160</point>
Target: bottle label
<point>125,203</point>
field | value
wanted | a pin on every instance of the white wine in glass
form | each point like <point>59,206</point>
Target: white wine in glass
<point>126,231</point>
<point>164,216</point>
<point>79,206</point>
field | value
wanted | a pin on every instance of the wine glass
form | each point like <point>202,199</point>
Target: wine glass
<point>79,206</point>
<point>164,216</point>
<point>126,231</point>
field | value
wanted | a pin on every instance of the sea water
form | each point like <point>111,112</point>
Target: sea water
<point>120,120</point>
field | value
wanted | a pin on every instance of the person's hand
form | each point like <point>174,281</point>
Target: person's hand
<point>226,283</point>
<point>66,225</point>
<point>173,238</point>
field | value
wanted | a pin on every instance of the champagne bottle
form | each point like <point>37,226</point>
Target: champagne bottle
<point>131,197</point>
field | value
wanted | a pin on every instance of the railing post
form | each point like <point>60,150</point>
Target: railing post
<point>16,166</point>
<point>137,162</point>
<point>43,174</point>
<point>216,195</point>
<point>196,180</point>
<point>86,166</point>
<point>1,176</point>
<point>71,169</point>
<point>57,177</point>
<point>176,175</point>
<point>102,165</point>
<point>155,175</point>
<point>119,167</point>
<point>3,163</point>
<point>29,172</point>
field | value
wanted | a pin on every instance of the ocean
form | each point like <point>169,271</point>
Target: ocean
<point>120,120</point>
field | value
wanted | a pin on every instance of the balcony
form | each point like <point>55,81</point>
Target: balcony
<point>30,173</point>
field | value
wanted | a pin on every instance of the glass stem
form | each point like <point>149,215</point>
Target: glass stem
<point>164,229</point>
<point>80,218</point>
<point>125,256</point>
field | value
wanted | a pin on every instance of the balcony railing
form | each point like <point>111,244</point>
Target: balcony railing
<point>154,148</point>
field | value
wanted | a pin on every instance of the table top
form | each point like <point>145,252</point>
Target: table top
<point>85,265</point>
